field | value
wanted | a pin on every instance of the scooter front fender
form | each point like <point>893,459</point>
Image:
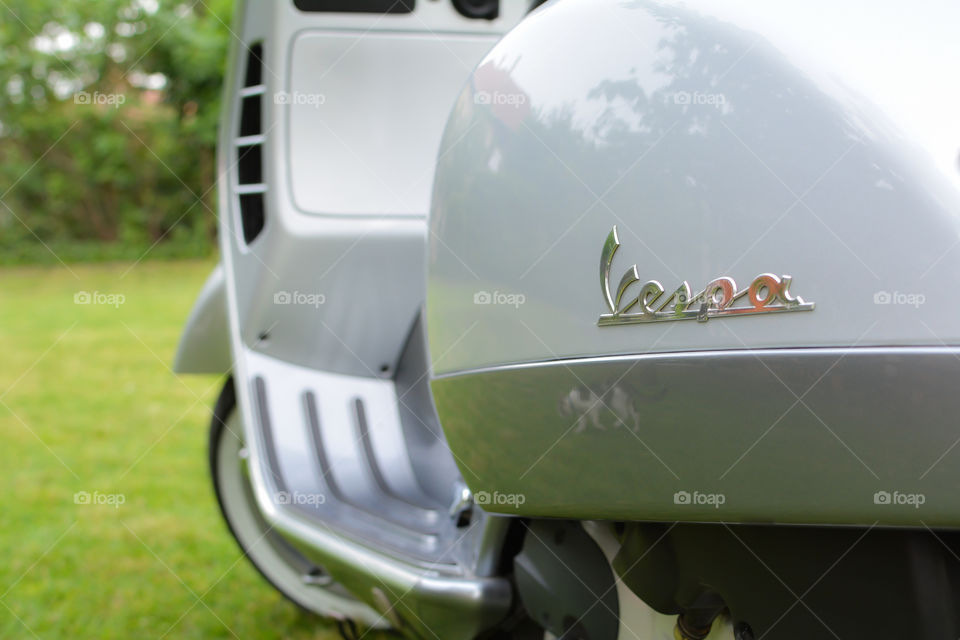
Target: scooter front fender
<point>205,344</point>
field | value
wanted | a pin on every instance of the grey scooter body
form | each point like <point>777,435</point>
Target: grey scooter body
<point>681,263</point>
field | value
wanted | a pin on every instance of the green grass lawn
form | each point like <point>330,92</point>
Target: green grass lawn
<point>88,403</point>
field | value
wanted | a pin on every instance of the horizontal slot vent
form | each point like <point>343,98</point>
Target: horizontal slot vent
<point>249,147</point>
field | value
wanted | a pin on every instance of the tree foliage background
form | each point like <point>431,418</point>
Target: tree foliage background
<point>108,119</point>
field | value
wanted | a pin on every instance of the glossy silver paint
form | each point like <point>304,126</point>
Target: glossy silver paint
<point>813,436</point>
<point>722,138</point>
<point>719,138</point>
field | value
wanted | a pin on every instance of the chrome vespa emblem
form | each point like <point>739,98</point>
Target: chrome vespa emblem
<point>766,294</point>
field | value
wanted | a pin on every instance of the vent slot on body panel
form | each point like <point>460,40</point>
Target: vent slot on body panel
<point>254,65</point>
<point>250,117</point>
<point>251,207</point>
<point>250,165</point>
<point>249,147</point>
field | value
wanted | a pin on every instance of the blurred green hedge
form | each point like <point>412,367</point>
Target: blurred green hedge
<point>108,117</point>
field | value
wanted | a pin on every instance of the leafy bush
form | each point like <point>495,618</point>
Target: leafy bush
<point>108,113</point>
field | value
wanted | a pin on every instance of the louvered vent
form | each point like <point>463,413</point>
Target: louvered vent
<point>249,143</point>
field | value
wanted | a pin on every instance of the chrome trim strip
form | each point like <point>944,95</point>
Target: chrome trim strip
<point>703,353</point>
<point>433,604</point>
